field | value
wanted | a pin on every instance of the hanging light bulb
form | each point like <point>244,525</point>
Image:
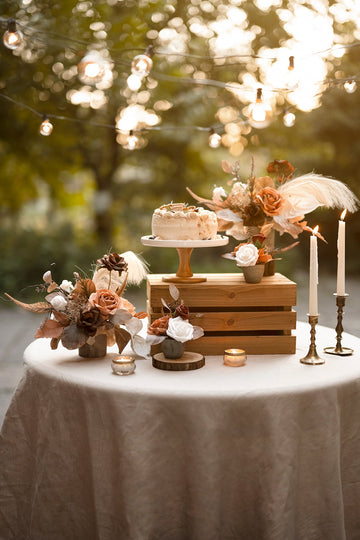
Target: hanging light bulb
<point>350,87</point>
<point>214,139</point>
<point>13,37</point>
<point>132,141</point>
<point>46,127</point>
<point>260,112</point>
<point>142,63</point>
<point>289,119</point>
<point>292,79</point>
<point>91,68</point>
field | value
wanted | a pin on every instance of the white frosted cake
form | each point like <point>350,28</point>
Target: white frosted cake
<point>177,221</point>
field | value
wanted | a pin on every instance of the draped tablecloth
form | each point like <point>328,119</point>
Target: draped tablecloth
<point>268,451</point>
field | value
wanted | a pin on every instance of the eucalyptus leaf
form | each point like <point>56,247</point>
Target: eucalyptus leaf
<point>140,346</point>
<point>174,291</point>
<point>121,316</point>
<point>73,337</point>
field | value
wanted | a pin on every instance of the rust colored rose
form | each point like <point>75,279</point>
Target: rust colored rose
<point>263,257</point>
<point>125,304</point>
<point>182,311</point>
<point>270,200</point>
<point>262,182</point>
<point>106,301</point>
<point>253,215</point>
<point>258,239</point>
<point>90,320</point>
<point>282,168</point>
<point>159,327</point>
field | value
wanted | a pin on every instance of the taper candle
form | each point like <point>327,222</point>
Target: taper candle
<point>340,286</point>
<point>313,275</point>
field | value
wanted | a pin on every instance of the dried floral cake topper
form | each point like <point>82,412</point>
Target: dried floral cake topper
<point>276,203</point>
<point>77,312</point>
<point>174,322</point>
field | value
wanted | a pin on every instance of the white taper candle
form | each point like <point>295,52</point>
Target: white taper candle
<point>340,287</point>
<point>313,276</point>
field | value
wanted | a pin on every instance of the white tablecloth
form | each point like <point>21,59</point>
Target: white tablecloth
<point>268,451</point>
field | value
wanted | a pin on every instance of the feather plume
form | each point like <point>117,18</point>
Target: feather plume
<point>309,191</point>
<point>137,267</point>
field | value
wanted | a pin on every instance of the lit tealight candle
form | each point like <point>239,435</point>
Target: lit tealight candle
<point>234,357</point>
<point>123,365</point>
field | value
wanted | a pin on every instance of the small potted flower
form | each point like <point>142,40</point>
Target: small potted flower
<point>173,329</point>
<point>251,257</point>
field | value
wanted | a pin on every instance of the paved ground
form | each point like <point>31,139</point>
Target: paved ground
<point>18,327</point>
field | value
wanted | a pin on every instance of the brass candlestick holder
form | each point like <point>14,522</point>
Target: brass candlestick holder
<point>312,358</point>
<point>339,350</point>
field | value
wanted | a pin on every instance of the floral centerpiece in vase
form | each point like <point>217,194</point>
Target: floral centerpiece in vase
<point>251,256</point>
<point>173,329</point>
<point>91,314</point>
<point>273,203</point>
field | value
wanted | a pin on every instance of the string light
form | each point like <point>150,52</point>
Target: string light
<point>46,127</point>
<point>289,119</point>
<point>134,82</point>
<point>142,63</point>
<point>132,141</point>
<point>214,139</point>
<point>91,68</point>
<point>350,87</point>
<point>13,38</point>
<point>260,112</point>
<point>292,79</point>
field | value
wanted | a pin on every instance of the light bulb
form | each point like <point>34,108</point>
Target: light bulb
<point>350,87</point>
<point>91,68</point>
<point>292,77</point>
<point>141,65</point>
<point>13,38</point>
<point>289,119</point>
<point>260,112</point>
<point>46,127</point>
<point>214,139</point>
<point>132,141</point>
<point>134,82</point>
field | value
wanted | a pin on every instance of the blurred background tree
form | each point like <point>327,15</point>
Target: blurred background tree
<point>70,197</point>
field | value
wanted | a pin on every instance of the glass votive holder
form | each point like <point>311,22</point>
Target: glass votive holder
<point>123,365</point>
<point>234,357</point>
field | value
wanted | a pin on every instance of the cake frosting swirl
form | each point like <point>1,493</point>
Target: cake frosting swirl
<point>178,221</point>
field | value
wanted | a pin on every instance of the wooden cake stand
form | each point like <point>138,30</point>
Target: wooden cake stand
<point>184,248</point>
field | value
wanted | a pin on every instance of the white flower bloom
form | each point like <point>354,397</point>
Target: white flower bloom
<point>219,193</point>
<point>180,329</point>
<point>66,286</point>
<point>247,255</point>
<point>58,302</point>
<point>47,277</point>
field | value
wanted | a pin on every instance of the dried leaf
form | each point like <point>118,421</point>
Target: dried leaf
<point>140,347</point>
<point>121,316</point>
<point>73,337</point>
<point>85,287</point>
<point>211,204</point>
<point>122,338</point>
<point>133,326</point>
<point>50,329</point>
<point>38,307</point>
<point>54,343</point>
<point>165,304</point>
<point>198,332</point>
<point>174,291</point>
<point>52,287</point>
<point>141,315</point>
<point>226,166</point>
<point>61,318</point>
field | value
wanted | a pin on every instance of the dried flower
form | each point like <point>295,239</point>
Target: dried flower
<point>58,302</point>
<point>106,301</point>
<point>47,277</point>
<point>66,286</point>
<point>182,311</point>
<point>247,255</point>
<point>90,320</point>
<point>263,257</point>
<point>180,330</point>
<point>253,215</point>
<point>113,262</point>
<point>270,200</point>
<point>282,168</point>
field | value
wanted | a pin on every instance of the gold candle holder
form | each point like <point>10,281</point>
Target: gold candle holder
<point>234,357</point>
<point>339,350</point>
<point>312,358</point>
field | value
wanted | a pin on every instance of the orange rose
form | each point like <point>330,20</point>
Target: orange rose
<point>159,327</point>
<point>263,257</point>
<point>270,201</point>
<point>106,301</point>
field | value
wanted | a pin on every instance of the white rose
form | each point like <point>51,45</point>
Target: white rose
<point>247,255</point>
<point>219,193</point>
<point>180,329</point>
<point>58,302</point>
<point>66,286</point>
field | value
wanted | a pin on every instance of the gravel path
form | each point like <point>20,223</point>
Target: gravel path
<point>18,327</point>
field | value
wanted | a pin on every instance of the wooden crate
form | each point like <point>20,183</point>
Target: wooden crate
<point>234,314</point>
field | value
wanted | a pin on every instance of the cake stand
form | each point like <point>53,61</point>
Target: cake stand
<point>184,248</point>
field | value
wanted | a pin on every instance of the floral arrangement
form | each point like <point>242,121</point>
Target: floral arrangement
<point>252,252</point>
<point>78,312</point>
<point>174,322</point>
<point>277,202</point>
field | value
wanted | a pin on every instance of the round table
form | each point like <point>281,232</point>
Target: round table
<point>269,451</point>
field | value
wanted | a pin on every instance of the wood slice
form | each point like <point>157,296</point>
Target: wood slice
<point>187,362</point>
